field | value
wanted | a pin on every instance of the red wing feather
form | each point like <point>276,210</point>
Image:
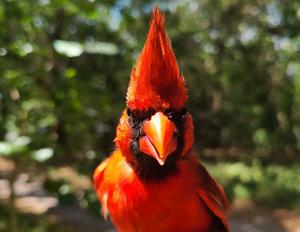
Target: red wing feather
<point>213,195</point>
<point>97,179</point>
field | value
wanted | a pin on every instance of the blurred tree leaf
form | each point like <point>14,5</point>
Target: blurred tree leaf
<point>68,48</point>
<point>41,155</point>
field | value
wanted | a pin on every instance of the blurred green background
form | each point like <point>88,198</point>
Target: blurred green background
<point>64,70</point>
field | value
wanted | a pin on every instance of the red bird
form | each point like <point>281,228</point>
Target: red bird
<point>153,182</point>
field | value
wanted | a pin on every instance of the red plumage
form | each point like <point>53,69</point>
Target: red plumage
<point>153,181</point>
<point>155,70</point>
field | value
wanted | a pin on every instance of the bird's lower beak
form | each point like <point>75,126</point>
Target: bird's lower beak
<point>159,140</point>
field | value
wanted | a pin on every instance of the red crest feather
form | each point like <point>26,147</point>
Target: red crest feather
<point>156,80</point>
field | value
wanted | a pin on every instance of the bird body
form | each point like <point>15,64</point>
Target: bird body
<point>153,181</point>
<point>170,205</point>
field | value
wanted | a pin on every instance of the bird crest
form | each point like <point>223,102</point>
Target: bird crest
<point>156,81</point>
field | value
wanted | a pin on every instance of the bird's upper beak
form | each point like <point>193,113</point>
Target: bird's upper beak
<point>159,140</point>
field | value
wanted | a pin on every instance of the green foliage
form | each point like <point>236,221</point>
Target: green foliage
<point>269,185</point>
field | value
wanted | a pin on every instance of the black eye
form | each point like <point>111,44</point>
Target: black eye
<point>149,113</point>
<point>128,111</point>
<point>169,113</point>
<point>183,112</point>
<point>176,115</point>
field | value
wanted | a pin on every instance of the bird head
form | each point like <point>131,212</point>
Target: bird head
<point>156,125</point>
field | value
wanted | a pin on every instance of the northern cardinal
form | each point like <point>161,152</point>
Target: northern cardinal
<point>153,181</point>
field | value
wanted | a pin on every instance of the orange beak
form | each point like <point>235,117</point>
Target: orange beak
<point>159,141</point>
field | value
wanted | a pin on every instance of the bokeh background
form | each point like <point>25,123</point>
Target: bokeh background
<point>64,70</point>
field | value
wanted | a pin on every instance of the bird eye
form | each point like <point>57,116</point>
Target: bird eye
<point>128,111</point>
<point>169,113</point>
<point>175,115</point>
<point>149,113</point>
<point>183,112</point>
